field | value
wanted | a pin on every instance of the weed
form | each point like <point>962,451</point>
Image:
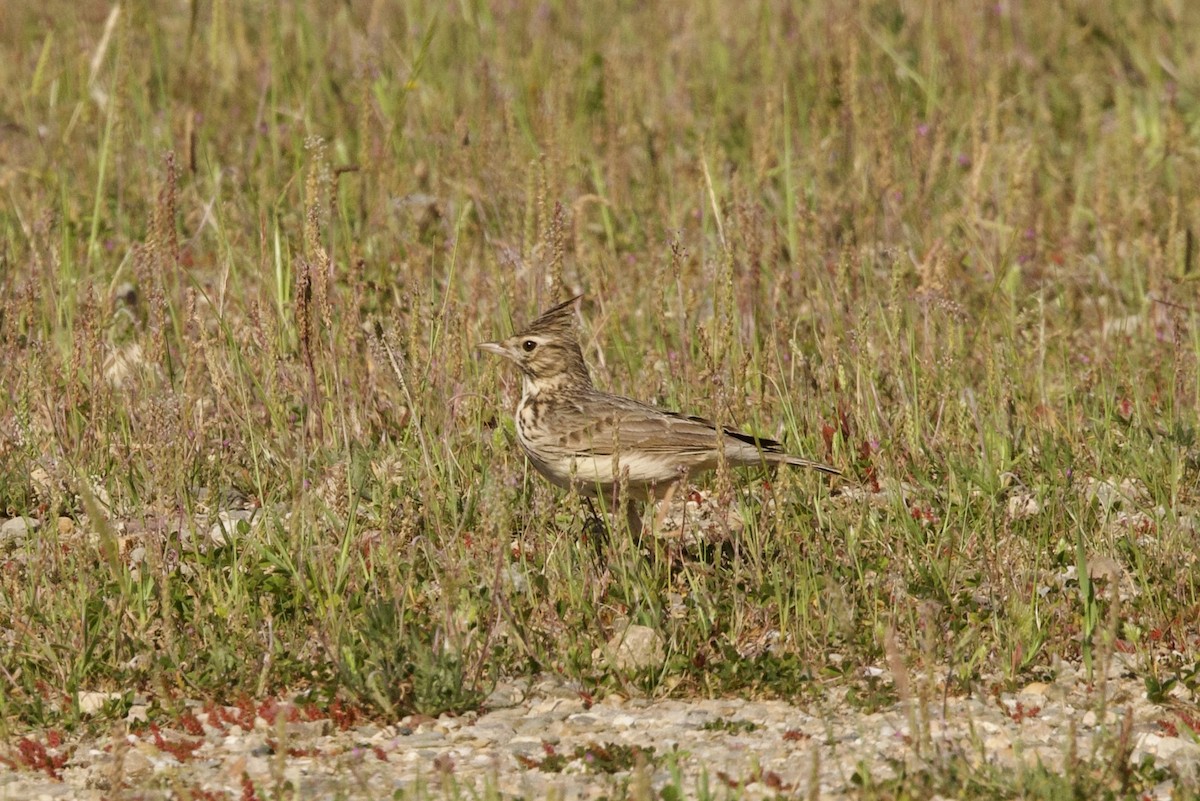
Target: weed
<point>606,758</point>
<point>731,726</point>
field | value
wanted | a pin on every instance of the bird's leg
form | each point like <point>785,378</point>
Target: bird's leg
<point>594,518</point>
<point>622,500</point>
<point>633,519</point>
<point>595,527</point>
<point>663,505</point>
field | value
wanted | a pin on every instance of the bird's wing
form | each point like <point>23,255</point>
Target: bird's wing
<point>622,424</point>
<point>765,443</point>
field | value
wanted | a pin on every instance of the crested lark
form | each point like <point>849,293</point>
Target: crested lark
<point>578,435</point>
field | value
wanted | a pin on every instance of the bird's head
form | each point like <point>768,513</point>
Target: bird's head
<point>547,351</point>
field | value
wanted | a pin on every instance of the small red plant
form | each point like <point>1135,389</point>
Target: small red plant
<point>1021,712</point>
<point>774,781</point>
<point>248,791</point>
<point>191,724</point>
<point>183,750</point>
<point>34,755</point>
<point>344,717</point>
<point>924,515</point>
<point>295,752</point>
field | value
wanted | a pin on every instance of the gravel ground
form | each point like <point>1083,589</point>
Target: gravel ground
<point>544,739</point>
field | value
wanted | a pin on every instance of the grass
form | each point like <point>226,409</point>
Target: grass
<point>246,252</point>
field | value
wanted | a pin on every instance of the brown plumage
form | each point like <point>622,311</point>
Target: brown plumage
<point>576,434</point>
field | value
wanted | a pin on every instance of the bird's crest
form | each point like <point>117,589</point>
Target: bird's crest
<point>558,321</point>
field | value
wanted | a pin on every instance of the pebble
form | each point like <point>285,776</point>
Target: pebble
<point>1035,689</point>
<point>422,739</point>
<point>226,526</point>
<point>633,648</point>
<point>92,702</point>
<point>14,532</point>
<point>506,696</point>
<point>759,746</point>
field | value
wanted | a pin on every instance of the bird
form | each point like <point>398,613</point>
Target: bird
<point>579,436</point>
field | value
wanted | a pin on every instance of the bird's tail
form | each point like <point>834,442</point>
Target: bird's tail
<point>800,461</point>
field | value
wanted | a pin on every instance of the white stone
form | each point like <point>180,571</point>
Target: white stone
<point>92,702</point>
<point>1023,506</point>
<point>14,532</point>
<point>635,647</point>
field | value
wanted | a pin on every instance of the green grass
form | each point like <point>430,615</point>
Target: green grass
<point>950,248</point>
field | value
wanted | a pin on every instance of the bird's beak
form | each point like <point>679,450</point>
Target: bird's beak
<point>492,347</point>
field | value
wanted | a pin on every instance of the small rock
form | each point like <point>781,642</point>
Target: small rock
<point>136,764</point>
<point>528,744</point>
<point>538,724</point>
<point>1164,789</point>
<point>1122,665</point>
<point>227,525</point>
<point>492,733</point>
<point>1023,506</point>
<point>13,532</point>
<point>422,739</point>
<point>518,578</point>
<point>309,729</point>
<point>504,696</point>
<point>367,731</point>
<point>1112,493</point>
<point>92,702</point>
<point>416,721</point>
<point>988,726</point>
<point>1105,568</point>
<point>635,647</point>
<point>1035,689</point>
<point>121,363</point>
<point>551,706</point>
<point>581,721</point>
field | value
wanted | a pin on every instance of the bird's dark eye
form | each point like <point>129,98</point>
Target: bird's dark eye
<point>529,345</point>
